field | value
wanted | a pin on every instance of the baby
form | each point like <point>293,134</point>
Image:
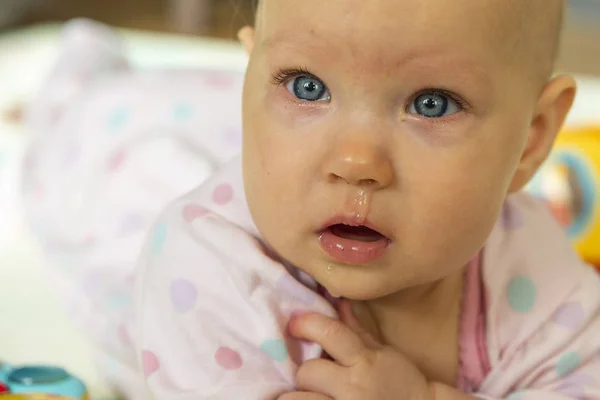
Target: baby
<point>385,145</point>
<point>372,242</point>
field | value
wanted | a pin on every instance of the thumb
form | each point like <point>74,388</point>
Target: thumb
<point>358,317</point>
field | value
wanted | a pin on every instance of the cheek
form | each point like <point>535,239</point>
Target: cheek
<point>456,201</point>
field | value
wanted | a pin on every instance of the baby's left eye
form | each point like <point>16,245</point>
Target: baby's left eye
<point>434,105</point>
<point>308,88</point>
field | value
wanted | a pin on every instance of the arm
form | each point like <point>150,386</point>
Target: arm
<point>211,320</point>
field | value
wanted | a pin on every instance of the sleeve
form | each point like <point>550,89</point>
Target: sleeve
<point>212,311</point>
<point>560,358</point>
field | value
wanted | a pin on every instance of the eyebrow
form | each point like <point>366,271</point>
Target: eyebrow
<point>467,71</point>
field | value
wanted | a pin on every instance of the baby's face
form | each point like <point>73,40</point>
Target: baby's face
<point>405,118</point>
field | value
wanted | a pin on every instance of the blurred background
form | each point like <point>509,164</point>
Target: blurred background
<point>222,18</point>
<point>218,18</point>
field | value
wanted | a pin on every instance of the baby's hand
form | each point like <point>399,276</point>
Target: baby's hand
<point>363,369</point>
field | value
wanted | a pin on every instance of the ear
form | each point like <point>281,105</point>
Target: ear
<point>246,37</point>
<point>551,111</point>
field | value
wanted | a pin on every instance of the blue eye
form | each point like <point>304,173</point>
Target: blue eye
<point>308,88</point>
<point>434,105</point>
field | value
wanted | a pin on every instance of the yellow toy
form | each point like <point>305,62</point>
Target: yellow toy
<point>569,182</point>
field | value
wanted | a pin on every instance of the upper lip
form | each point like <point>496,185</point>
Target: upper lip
<point>352,221</point>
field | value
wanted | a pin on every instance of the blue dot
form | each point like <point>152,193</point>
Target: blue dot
<point>521,294</point>
<point>515,396</point>
<point>119,301</point>
<point>182,111</point>
<point>117,119</point>
<point>567,364</point>
<point>275,349</point>
<point>159,237</point>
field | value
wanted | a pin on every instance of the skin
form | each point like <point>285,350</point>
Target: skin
<point>433,186</point>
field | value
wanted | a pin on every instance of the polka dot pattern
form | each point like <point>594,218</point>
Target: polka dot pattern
<point>183,295</point>
<point>150,363</point>
<point>575,386</point>
<point>567,364</point>
<point>515,396</point>
<point>511,218</point>
<point>118,119</point>
<point>192,212</point>
<point>219,80</point>
<point>570,315</point>
<point>288,284</point>
<point>124,335</point>
<point>182,112</point>
<point>119,301</point>
<point>228,359</point>
<point>159,238</point>
<point>132,223</point>
<point>115,162</point>
<point>223,194</point>
<point>233,137</point>
<point>276,349</point>
<point>522,294</point>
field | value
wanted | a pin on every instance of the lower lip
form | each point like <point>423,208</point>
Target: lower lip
<point>350,251</point>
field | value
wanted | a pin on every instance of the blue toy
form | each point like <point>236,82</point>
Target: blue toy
<point>39,382</point>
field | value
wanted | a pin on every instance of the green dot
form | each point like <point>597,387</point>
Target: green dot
<point>159,237</point>
<point>522,294</point>
<point>119,301</point>
<point>182,111</point>
<point>275,349</point>
<point>117,119</point>
<point>567,364</point>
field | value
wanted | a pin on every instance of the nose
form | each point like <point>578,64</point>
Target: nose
<point>360,163</point>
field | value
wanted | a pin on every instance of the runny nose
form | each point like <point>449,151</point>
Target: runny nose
<point>360,163</point>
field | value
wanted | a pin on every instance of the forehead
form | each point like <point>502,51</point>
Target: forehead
<point>384,30</point>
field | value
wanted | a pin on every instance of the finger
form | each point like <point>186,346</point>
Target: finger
<point>336,338</point>
<point>321,376</point>
<point>348,314</point>
<point>304,396</point>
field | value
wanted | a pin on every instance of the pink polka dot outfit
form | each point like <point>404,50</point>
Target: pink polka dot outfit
<point>205,314</point>
<point>212,306</point>
<point>112,145</point>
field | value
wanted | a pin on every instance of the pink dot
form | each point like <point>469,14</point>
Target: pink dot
<point>570,315</point>
<point>124,336</point>
<point>116,160</point>
<point>150,363</point>
<point>223,194</point>
<point>219,80</point>
<point>192,212</point>
<point>89,240</point>
<point>228,359</point>
<point>183,295</point>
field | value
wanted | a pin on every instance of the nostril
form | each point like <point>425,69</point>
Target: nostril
<point>367,182</point>
<point>335,178</point>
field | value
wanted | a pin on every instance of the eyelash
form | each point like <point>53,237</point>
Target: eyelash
<point>463,104</point>
<point>282,76</point>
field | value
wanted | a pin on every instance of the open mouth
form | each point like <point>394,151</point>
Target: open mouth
<point>356,245</point>
<point>358,233</point>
